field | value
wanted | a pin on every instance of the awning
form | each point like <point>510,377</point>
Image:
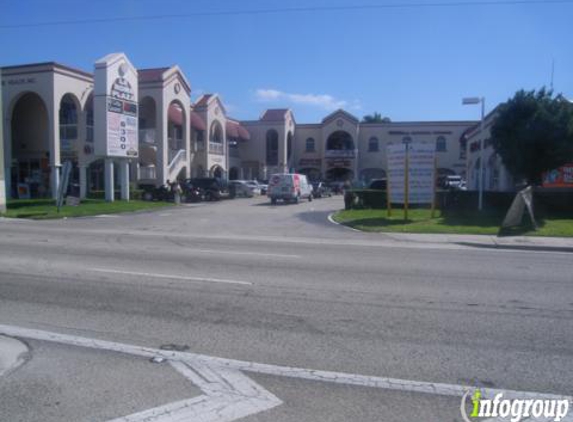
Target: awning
<point>232,130</point>
<point>175,114</point>
<point>235,130</point>
<point>197,122</point>
<point>243,133</point>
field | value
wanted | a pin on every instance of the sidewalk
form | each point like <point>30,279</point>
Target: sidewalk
<point>552,244</point>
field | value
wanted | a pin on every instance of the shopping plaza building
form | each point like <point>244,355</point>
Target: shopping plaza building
<point>48,112</point>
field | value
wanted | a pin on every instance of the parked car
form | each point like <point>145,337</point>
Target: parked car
<point>255,186</point>
<point>264,185</point>
<point>242,188</point>
<point>378,184</point>
<point>156,193</point>
<point>213,189</point>
<point>454,182</point>
<point>320,190</point>
<point>289,187</point>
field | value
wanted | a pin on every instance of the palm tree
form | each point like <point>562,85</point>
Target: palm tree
<point>375,118</point>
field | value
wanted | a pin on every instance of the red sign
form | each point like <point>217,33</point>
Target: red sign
<point>561,177</point>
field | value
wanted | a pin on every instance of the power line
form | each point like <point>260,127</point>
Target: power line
<point>302,9</point>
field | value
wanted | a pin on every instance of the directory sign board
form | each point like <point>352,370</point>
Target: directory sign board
<point>419,159</point>
<point>116,109</point>
<point>396,156</point>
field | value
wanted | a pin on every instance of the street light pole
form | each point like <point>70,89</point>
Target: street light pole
<point>2,178</point>
<point>478,100</point>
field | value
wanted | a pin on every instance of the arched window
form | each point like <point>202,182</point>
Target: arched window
<point>441,144</point>
<point>272,148</point>
<point>373,144</point>
<point>340,140</point>
<point>310,145</point>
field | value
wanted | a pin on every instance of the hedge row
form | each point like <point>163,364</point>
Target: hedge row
<point>545,201</point>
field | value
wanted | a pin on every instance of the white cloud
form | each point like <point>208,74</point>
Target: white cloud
<point>325,101</point>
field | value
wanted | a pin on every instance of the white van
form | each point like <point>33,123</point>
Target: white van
<point>289,187</point>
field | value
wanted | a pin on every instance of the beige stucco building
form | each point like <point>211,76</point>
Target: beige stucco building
<point>496,178</point>
<point>48,118</point>
<point>340,147</point>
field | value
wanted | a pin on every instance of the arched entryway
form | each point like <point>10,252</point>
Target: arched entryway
<point>216,171</point>
<point>69,135</point>
<point>30,147</point>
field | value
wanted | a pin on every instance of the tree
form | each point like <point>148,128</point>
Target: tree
<point>375,118</point>
<point>533,133</point>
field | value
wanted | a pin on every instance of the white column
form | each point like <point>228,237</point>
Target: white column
<point>108,180</point>
<point>124,178</point>
<point>83,182</point>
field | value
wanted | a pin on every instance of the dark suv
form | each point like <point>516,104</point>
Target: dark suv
<point>212,188</point>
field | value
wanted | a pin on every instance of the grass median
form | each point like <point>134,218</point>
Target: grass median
<point>41,209</point>
<point>421,221</point>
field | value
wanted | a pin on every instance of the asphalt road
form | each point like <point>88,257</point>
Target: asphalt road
<point>276,285</point>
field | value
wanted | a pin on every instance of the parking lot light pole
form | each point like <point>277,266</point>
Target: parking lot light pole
<point>478,100</point>
<point>2,178</point>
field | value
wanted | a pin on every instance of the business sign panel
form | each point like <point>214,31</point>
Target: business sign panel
<point>561,177</point>
<point>116,109</point>
<point>421,167</point>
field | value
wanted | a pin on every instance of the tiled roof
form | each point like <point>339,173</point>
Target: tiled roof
<point>202,102</point>
<point>274,115</point>
<point>151,75</point>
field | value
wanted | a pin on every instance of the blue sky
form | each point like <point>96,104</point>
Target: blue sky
<point>413,63</point>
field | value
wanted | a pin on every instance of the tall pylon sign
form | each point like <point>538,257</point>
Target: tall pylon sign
<point>116,119</point>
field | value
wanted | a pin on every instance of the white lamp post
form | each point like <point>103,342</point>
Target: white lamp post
<point>478,100</point>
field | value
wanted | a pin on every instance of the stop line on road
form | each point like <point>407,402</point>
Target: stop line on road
<point>229,395</point>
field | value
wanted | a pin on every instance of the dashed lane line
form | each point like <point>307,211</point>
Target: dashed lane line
<point>172,277</point>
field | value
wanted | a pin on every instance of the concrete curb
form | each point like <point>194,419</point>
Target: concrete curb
<point>341,225</point>
<point>493,244</point>
<point>12,354</point>
<point>538,248</point>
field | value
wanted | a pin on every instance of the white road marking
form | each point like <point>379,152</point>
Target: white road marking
<point>228,395</point>
<point>172,277</point>
<point>213,371</point>
<point>333,221</point>
<point>223,252</point>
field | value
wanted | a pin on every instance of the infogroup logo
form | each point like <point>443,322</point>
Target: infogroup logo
<point>514,410</point>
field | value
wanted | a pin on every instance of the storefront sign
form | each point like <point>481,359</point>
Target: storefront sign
<point>559,178</point>
<point>336,163</point>
<point>19,81</point>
